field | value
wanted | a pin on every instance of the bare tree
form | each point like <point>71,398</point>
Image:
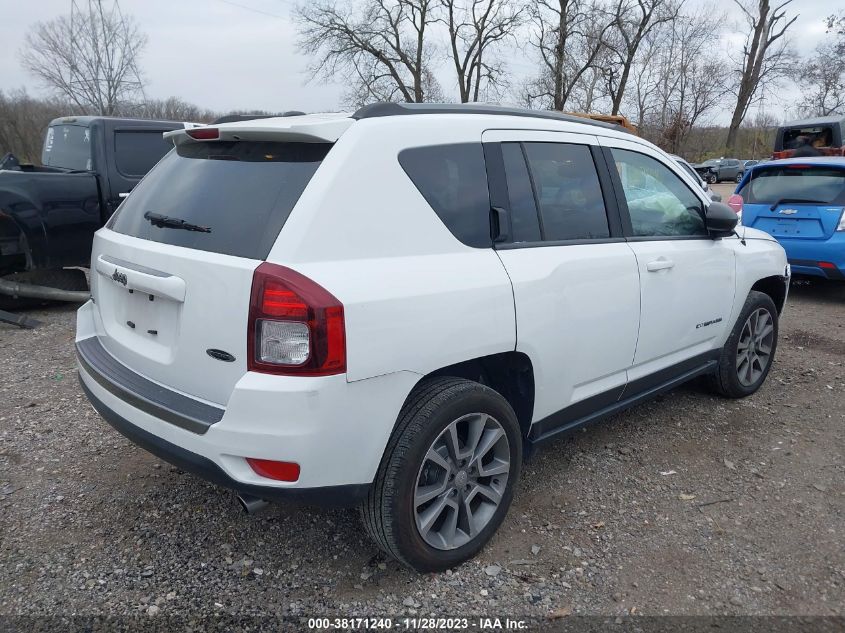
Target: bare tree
<point>765,57</point>
<point>682,82</point>
<point>836,24</point>
<point>822,78</point>
<point>588,94</point>
<point>23,121</point>
<point>90,58</point>
<point>476,29</point>
<point>171,109</point>
<point>634,20</point>
<point>380,47</point>
<point>569,36</point>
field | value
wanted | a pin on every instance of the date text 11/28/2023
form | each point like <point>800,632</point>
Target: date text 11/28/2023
<point>418,624</point>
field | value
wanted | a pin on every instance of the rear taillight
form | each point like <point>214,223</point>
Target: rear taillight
<point>296,327</point>
<point>735,203</point>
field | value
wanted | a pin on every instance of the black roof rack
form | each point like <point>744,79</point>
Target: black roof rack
<point>376,110</point>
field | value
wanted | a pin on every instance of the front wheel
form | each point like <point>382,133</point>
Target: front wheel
<point>712,179</point>
<point>750,349</point>
<point>739,177</point>
<point>447,477</point>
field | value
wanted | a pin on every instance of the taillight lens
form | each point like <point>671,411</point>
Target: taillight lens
<point>296,327</point>
<point>735,203</point>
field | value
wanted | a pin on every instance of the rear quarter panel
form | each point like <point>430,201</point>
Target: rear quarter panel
<point>415,298</point>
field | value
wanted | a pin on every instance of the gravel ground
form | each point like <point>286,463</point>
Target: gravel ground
<point>687,505</point>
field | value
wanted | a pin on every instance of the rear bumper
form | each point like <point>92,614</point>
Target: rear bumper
<point>342,495</point>
<point>335,430</point>
<point>817,258</point>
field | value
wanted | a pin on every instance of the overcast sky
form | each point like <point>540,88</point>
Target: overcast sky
<point>241,54</point>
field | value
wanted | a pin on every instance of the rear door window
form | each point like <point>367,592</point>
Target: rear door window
<point>453,180</point>
<point>568,191</point>
<point>241,191</point>
<point>523,208</point>
<point>137,151</point>
<point>794,183</point>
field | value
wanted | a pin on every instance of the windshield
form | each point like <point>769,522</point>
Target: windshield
<point>240,193</point>
<point>68,146</point>
<point>796,182</point>
<point>712,161</point>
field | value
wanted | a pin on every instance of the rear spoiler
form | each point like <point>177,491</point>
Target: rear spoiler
<point>306,129</point>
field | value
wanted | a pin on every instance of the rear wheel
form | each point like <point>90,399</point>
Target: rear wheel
<point>447,477</point>
<point>739,177</point>
<point>750,349</point>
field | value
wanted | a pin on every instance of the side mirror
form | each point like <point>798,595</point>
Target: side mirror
<point>720,219</point>
<point>716,197</point>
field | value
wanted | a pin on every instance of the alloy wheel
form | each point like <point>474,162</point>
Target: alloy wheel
<point>461,481</point>
<point>754,349</point>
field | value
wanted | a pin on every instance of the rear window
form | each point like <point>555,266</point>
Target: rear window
<point>453,180</point>
<point>136,151</point>
<point>242,192</point>
<point>68,146</point>
<point>823,186</point>
<point>817,136</point>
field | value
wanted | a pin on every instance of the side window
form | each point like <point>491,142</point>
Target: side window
<point>659,202</point>
<point>523,209</point>
<point>568,191</point>
<point>136,152</point>
<point>453,180</point>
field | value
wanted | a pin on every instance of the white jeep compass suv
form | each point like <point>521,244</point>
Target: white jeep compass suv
<point>390,309</point>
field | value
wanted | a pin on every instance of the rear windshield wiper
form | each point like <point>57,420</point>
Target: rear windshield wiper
<point>782,200</point>
<point>166,222</point>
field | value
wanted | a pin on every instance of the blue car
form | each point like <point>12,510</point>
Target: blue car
<point>801,203</point>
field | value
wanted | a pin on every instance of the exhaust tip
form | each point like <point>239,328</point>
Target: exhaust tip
<point>252,505</point>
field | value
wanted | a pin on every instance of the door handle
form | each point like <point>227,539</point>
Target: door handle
<point>500,224</point>
<point>659,264</point>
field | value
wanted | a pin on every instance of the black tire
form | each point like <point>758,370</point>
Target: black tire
<point>63,279</point>
<point>712,179</point>
<point>388,511</point>
<point>739,177</point>
<point>726,381</point>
